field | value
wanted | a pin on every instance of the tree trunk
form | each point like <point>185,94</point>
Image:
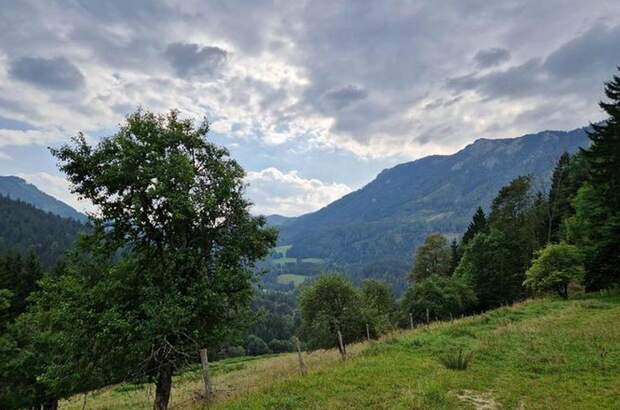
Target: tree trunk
<point>51,404</point>
<point>163,387</point>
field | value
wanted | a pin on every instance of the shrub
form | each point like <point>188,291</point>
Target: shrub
<point>555,267</point>
<point>281,346</point>
<point>256,346</point>
<point>456,360</point>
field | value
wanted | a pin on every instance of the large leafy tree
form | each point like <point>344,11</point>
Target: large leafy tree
<point>176,240</point>
<point>432,258</point>
<point>603,158</point>
<point>331,304</point>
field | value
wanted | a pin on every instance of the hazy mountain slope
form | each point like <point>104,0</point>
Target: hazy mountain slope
<point>17,188</point>
<point>383,222</point>
<point>24,228</point>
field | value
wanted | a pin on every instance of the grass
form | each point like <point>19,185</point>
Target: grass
<point>539,354</point>
<point>287,278</point>
<point>456,360</point>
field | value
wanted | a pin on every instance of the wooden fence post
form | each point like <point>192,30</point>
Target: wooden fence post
<point>411,320</point>
<point>302,365</point>
<point>204,359</point>
<point>343,349</point>
<point>367,332</point>
<point>428,316</point>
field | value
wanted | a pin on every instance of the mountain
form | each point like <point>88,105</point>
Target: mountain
<point>375,230</point>
<point>24,228</point>
<point>17,188</point>
<point>278,220</point>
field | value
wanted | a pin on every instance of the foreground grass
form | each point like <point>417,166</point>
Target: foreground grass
<point>540,354</point>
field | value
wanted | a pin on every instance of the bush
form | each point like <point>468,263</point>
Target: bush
<point>256,346</point>
<point>458,360</point>
<point>281,346</point>
<point>556,266</point>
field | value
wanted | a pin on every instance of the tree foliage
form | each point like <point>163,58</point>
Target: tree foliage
<point>443,297</point>
<point>171,205</point>
<point>330,304</point>
<point>555,267</point>
<point>432,258</point>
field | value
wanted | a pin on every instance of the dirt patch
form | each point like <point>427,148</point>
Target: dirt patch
<point>479,400</point>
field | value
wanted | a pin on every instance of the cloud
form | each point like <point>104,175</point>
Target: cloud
<point>56,73</point>
<point>192,59</point>
<point>11,137</point>
<point>491,56</point>
<point>313,79</point>
<point>277,192</point>
<point>343,96</point>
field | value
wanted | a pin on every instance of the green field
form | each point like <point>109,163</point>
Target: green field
<point>540,354</point>
<point>283,261</point>
<point>312,260</point>
<point>287,278</point>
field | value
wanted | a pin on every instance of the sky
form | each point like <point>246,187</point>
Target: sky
<point>313,98</point>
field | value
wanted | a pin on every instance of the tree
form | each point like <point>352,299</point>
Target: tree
<point>331,304</point>
<point>559,197</point>
<point>378,305</point>
<point>177,241</point>
<point>477,224</point>
<point>488,268</point>
<point>444,297</point>
<point>603,158</point>
<point>555,267</point>
<point>455,256</point>
<point>255,346</point>
<point>432,258</point>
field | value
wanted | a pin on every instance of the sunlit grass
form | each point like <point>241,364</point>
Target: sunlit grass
<point>539,354</point>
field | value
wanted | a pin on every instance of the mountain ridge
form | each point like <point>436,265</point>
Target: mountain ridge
<point>15,187</point>
<point>384,221</point>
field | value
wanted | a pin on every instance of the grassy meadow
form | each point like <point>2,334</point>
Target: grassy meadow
<point>539,354</point>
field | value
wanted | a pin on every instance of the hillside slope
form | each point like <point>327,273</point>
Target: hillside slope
<point>24,228</point>
<point>540,354</point>
<point>17,188</point>
<point>388,218</point>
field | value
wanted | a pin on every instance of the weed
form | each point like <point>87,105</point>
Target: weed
<point>456,360</point>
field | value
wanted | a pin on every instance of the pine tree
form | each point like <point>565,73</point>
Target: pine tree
<point>559,199</point>
<point>478,224</point>
<point>603,158</point>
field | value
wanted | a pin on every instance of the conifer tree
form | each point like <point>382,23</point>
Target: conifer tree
<point>477,224</point>
<point>603,158</point>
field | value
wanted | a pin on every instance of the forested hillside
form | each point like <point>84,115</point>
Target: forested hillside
<point>24,229</point>
<point>374,231</point>
<point>17,188</point>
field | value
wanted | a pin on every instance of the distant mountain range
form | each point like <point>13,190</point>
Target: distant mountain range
<point>17,188</point>
<point>375,230</point>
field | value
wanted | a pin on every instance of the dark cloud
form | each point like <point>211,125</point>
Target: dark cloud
<point>517,81</point>
<point>595,52</point>
<point>193,59</point>
<point>55,73</point>
<point>491,57</point>
<point>343,96</point>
